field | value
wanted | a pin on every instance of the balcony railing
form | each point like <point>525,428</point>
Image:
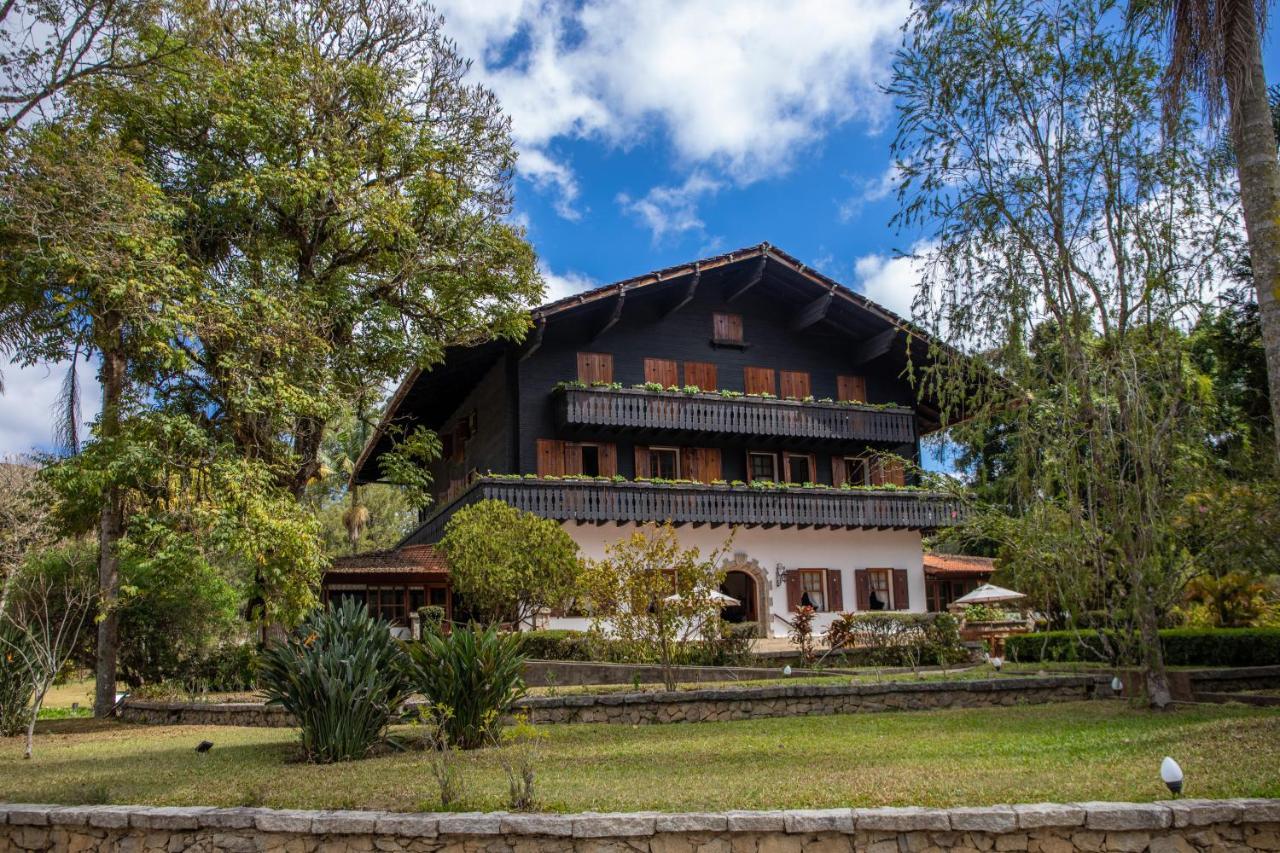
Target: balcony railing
<point>602,501</point>
<point>630,408</point>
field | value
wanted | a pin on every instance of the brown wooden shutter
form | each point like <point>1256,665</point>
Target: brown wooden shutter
<point>608,460</point>
<point>550,457</point>
<point>875,472</point>
<point>901,600</point>
<point>758,380</point>
<point>642,461</point>
<point>895,472</point>
<point>837,471</point>
<point>793,590</point>
<point>701,374</point>
<point>835,596</point>
<point>662,371</point>
<point>862,589</point>
<point>851,389</point>
<point>794,383</point>
<point>711,464</point>
<point>595,367</point>
<point>691,463</point>
<point>572,458</point>
<point>726,327</point>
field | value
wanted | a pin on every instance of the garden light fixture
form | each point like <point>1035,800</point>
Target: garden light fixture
<point>1116,684</point>
<point>1171,773</point>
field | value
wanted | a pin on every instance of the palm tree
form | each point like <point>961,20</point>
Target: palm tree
<point>1216,47</point>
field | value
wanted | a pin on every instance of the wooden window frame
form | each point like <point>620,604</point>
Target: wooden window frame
<point>822,586</point>
<point>808,460</point>
<point>675,453</point>
<point>751,478</point>
<point>887,574</point>
<point>862,459</point>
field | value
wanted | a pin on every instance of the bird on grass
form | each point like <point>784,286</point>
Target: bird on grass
<point>204,746</point>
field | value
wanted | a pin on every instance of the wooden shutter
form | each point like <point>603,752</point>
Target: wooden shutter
<point>711,464</point>
<point>662,371</point>
<point>758,380</point>
<point>701,374</point>
<point>608,460</point>
<point>726,327</point>
<point>851,389</point>
<point>837,471</point>
<point>550,458</point>
<point>642,461</point>
<point>894,472</point>
<point>595,367</point>
<point>572,458</point>
<point>901,601</point>
<point>793,590</point>
<point>875,472</point>
<point>835,596</point>
<point>700,463</point>
<point>794,383</point>
<point>862,589</point>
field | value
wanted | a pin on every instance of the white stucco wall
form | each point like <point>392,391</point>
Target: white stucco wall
<point>845,550</point>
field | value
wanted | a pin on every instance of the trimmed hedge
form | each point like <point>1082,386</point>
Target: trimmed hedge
<point>1182,647</point>
<point>732,649</point>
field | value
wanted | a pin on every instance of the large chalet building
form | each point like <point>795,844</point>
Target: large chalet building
<point>744,392</point>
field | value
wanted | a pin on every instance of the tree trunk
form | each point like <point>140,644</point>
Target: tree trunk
<point>110,531</point>
<point>1253,136</point>
<point>1153,671</point>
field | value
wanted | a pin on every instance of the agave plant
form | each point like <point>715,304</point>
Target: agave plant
<point>343,677</point>
<point>471,680</point>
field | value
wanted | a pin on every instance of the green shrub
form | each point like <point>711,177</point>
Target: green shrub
<point>430,620</point>
<point>896,639</point>
<point>560,644</point>
<point>471,679</point>
<point>15,684</point>
<point>342,676</point>
<point>1182,647</point>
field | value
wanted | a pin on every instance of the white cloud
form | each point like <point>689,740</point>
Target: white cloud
<point>741,86</point>
<point>869,190</point>
<point>560,285</point>
<point>888,280</point>
<point>671,210</point>
<point>26,407</point>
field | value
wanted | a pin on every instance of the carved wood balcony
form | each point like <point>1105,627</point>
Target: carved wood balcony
<point>637,409</point>
<point>603,501</point>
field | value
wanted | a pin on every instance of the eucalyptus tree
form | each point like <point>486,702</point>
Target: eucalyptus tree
<point>346,188</point>
<point>1056,205</point>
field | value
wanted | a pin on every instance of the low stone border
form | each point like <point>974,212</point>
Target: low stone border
<point>1177,826</point>
<point>576,673</point>
<point>709,705</point>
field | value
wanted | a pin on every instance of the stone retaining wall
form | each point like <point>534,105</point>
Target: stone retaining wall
<point>693,706</point>
<point>1182,826</point>
<point>576,673</point>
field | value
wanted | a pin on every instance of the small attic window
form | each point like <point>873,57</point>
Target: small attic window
<point>726,328</point>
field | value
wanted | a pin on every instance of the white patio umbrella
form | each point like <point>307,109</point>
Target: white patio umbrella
<point>715,595</point>
<point>988,594</point>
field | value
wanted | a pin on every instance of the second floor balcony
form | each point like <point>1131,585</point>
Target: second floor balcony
<point>608,408</point>
<point>601,501</point>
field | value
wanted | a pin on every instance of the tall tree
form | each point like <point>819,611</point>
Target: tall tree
<point>90,264</point>
<point>1030,145</point>
<point>345,187</point>
<point>1216,48</point>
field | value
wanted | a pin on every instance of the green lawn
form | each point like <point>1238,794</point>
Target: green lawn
<point>1077,751</point>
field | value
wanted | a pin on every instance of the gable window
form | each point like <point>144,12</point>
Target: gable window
<point>851,389</point>
<point>595,367</point>
<point>799,467</point>
<point>700,374</point>
<point>726,328</point>
<point>794,383</point>
<point>762,466</point>
<point>758,380</point>
<point>664,463</point>
<point>661,371</point>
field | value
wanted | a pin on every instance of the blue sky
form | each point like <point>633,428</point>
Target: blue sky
<point>653,132</point>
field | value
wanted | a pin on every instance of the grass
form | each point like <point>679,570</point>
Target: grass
<point>1062,752</point>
